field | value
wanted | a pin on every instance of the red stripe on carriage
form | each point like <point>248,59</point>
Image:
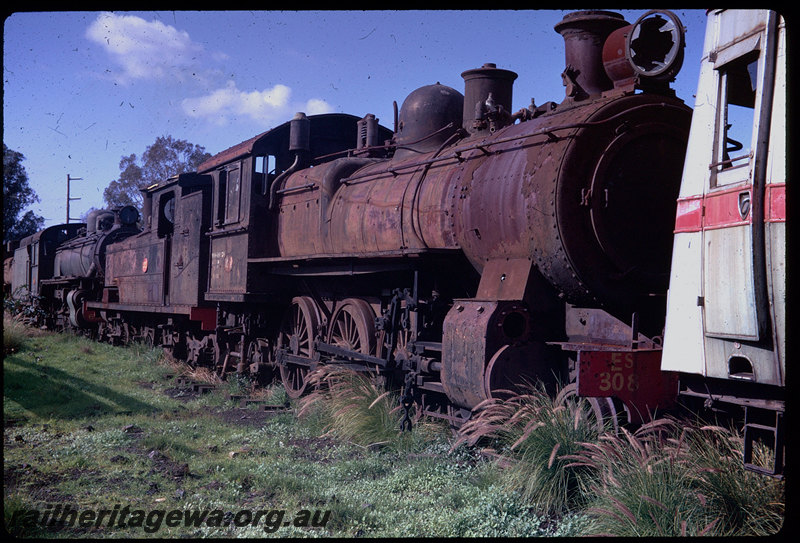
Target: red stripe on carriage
<point>721,209</point>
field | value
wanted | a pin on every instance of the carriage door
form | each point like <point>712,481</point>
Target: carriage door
<point>733,227</point>
<point>185,265</point>
<point>33,270</point>
<point>166,229</point>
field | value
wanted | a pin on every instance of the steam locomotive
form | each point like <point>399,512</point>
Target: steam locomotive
<point>468,251</point>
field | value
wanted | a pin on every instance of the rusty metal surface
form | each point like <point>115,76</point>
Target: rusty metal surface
<point>135,267</point>
<point>189,260</point>
<point>487,348</point>
<point>584,34</point>
<point>484,88</point>
<point>84,256</point>
<point>561,190</point>
<point>467,346</point>
<point>595,327</point>
<point>633,376</point>
<point>228,264</point>
<point>615,61</point>
<point>166,264</point>
<point>568,200</point>
<point>330,133</point>
<point>504,279</point>
<point>430,115</point>
<point>471,231</point>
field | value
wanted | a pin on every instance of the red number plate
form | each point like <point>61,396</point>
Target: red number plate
<point>635,377</point>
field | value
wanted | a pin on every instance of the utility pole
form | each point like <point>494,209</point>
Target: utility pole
<point>70,199</point>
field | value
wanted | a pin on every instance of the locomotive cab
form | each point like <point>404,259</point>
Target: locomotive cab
<point>253,186</point>
<point>161,265</point>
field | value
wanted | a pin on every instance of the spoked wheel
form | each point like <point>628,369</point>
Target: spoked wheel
<point>257,362</point>
<point>298,329</point>
<point>200,350</point>
<point>148,337</point>
<point>123,334</point>
<point>605,413</point>
<point>353,327</point>
<point>102,332</point>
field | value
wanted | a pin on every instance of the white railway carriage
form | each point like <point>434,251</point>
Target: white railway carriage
<point>725,327</point>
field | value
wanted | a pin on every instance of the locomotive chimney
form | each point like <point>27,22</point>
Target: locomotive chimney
<point>479,85</point>
<point>584,34</point>
<point>367,133</point>
<point>91,221</point>
<point>300,137</point>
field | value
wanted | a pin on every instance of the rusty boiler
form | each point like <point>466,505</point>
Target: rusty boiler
<point>574,203</point>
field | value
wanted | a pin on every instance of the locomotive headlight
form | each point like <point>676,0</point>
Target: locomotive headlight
<point>655,44</point>
<point>128,215</point>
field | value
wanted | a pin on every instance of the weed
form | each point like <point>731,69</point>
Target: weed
<point>358,410</point>
<point>94,425</point>
<point>535,434</point>
<point>672,479</point>
<point>239,383</point>
<point>747,503</point>
<point>13,336</point>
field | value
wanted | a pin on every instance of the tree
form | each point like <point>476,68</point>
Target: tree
<point>17,195</point>
<point>161,160</point>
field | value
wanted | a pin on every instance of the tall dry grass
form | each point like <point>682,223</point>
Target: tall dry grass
<point>670,478</point>
<point>14,336</point>
<point>353,406</point>
<point>16,333</point>
<point>534,433</point>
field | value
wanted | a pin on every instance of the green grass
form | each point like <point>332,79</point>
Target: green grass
<point>670,479</point>
<point>92,426</point>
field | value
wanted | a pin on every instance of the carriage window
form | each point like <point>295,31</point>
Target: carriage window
<point>736,119</point>
<point>166,214</point>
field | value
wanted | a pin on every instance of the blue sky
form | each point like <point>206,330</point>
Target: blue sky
<point>84,89</point>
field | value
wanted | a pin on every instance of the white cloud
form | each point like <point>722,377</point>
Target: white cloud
<point>145,49</point>
<point>315,106</point>
<point>153,50</point>
<point>267,106</point>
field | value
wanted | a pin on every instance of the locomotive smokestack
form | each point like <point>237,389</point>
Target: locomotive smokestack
<point>479,85</point>
<point>300,137</point>
<point>584,34</point>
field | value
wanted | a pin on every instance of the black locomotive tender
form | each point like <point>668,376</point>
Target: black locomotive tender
<point>467,251</point>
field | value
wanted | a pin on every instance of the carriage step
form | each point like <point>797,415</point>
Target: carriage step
<point>770,430</point>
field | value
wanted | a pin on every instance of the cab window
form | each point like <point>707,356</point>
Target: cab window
<point>735,119</point>
<point>166,214</point>
<point>233,198</point>
<point>228,196</point>
<point>264,173</point>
